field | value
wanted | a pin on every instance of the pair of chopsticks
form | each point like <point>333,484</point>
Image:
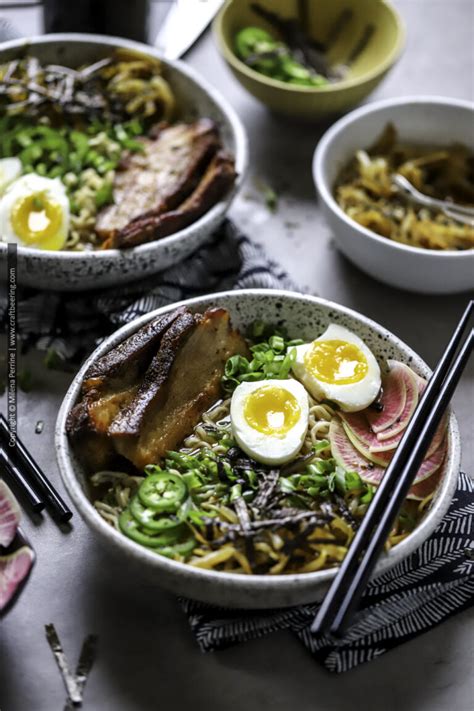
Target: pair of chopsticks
<point>347,588</point>
<point>24,472</point>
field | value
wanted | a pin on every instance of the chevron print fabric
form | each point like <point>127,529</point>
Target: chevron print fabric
<point>72,324</point>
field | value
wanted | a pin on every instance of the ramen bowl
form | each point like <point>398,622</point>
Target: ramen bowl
<point>70,270</point>
<point>302,316</point>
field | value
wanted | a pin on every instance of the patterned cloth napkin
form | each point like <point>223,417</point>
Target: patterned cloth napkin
<point>433,584</point>
<point>71,324</point>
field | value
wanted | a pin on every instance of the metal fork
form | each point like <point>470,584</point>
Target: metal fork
<point>456,212</point>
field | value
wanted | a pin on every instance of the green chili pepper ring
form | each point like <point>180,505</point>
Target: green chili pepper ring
<point>163,492</point>
<point>152,520</point>
<point>131,528</point>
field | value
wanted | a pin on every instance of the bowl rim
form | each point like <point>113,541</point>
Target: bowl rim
<point>370,75</point>
<point>233,119</point>
<point>320,160</point>
<point>234,580</point>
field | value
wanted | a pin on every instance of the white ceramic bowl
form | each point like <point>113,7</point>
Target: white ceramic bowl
<point>72,271</point>
<point>424,120</point>
<point>305,317</point>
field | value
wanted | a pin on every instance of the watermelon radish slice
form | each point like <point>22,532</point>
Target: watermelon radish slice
<point>358,424</point>
<point>411,401</point>
<point>387,446</point>
<point>431,464</point>
<point>393,400</point>
<point>9,515</point>
<point>348,454</point>
<point>382,458</point>
<point>438,437</point>
<point>421,384</point>
<point>14,569</point>
<point>348,457</point>
<point>424,488</point>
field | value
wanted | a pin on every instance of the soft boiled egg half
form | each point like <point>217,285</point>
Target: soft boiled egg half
<point>34,212</point>
<point>338,366</point>
<point>10,170</point>
<point>270,419</point>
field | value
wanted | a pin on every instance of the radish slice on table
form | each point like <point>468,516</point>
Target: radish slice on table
<point>393,400</point>
<point>9,515</point>
<point>411,400</point>
<point>14,569</point>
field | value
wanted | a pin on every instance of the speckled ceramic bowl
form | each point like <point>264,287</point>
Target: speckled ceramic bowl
<point>73,271</point>
<point>302,316</point>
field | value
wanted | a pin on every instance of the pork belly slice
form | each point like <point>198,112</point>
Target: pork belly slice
<point>162,176</point>
<point>109,385</point>
<point>125,362</point>
<point>182,382</point>
<point>216,182</point>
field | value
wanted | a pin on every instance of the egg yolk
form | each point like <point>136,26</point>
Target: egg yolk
<point>35,219</point>
<point>336,362</point>
<point>271,410</point>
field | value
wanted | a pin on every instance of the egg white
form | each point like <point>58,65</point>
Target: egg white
<point>10,170</point>
<point>31,184</point>
<point>350,397</point>
<point>267,448</point>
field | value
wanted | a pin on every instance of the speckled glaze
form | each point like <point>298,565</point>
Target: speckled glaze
<point>305,317</point>
<point>72,271</point>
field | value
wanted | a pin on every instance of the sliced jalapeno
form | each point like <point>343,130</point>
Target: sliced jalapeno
<point>181,549</point>
<point>131,528</point>
<point>163,492</point>
<point>152,519</point>
<point>295,70</point>
<point>164,543</point>
<point>248,40</point>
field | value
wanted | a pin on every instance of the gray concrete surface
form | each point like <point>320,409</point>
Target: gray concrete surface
<point>147,658</point>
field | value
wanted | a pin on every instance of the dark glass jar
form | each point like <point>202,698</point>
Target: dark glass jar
<point>122,18</point>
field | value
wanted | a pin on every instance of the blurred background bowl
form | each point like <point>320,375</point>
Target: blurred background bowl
<point>434,121</point>
<point>68,270</point>
<point>365,73</point>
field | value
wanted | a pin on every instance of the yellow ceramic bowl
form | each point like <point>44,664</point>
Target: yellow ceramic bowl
<point>370,66</point>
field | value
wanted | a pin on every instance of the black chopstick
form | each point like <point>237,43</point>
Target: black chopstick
<point>24,462</point>
<point>392,480</point>
<point>383,528</point>
<point>21,483</point>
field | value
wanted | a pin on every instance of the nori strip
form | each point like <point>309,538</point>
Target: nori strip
<point>364,40</point>
<point>244,520</point>
<point>266,490</point>
<point>345,513</point>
